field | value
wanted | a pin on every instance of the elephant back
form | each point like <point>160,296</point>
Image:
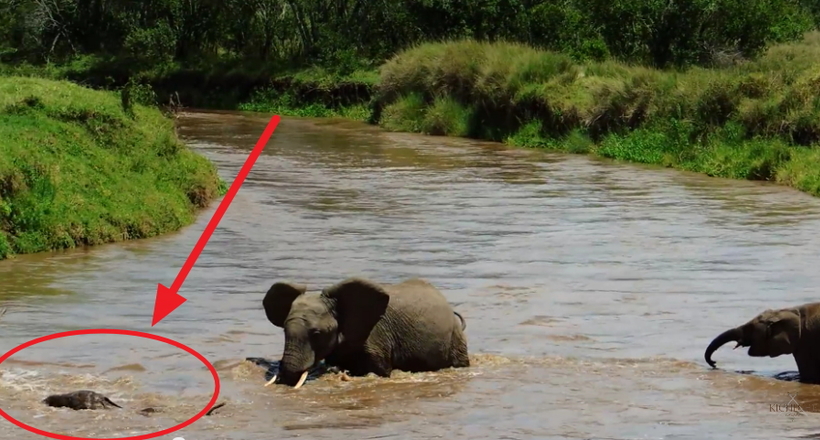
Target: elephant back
<point>419,297</point>
<point>418,306</point>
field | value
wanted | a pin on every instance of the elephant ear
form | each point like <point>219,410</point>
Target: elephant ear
<point>784,329</point>
<point>278,300</point>
<point>360,304</point>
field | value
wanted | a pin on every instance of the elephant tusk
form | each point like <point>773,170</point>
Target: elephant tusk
<point>273,379</point>
<point>301,380</point>
<point>736,346</point>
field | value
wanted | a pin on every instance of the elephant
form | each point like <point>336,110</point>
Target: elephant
<point>461,318</point>
<point>362,327</point>
<point>87,399</point>
<point>77,400</point>
<point>792,330</point>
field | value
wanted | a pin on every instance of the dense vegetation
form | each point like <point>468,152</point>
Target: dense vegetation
<point>77,168</point>
<point>222,53</point>
<point>348,34</point>
<point>759,120</point>
<point>724,87</point>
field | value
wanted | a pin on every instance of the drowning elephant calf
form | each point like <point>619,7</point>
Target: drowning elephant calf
<point>363,327</point>
<point>87,399</point>
<point>77,400</point>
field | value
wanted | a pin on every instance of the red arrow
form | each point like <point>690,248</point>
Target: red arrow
<point>168,300</point>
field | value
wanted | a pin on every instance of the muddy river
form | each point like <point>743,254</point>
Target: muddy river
<point>590,290</point>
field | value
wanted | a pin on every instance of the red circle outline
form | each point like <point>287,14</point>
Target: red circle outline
<point>190,350</point>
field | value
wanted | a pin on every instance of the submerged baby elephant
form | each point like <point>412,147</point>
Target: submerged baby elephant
<point>77,400</point>
<point>86,399</point>
<point>794,330</point>
<point>364,327</point>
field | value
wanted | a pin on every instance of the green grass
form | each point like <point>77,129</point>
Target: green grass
<point>221,84</point>
<point>77,169</point>
<point>755,120</point>
<point>314,92</point>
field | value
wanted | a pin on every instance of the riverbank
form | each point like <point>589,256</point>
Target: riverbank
<point>79,167</point>
<point>756,120</point>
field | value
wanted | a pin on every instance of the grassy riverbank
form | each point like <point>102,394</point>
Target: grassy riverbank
<point>757,120</point>
<point>633,81</point>
<point>752,119</point>
<point>76,169</point>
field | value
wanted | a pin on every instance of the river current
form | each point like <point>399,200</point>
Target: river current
<point>590,291</point>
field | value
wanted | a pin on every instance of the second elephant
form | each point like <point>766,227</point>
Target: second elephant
<point>365,327</point>
<point>793,330</point>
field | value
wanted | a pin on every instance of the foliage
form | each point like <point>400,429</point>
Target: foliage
<point>759,120</point>
<point>77,169</point>
<point>704,85</point>
<point>358,34</point>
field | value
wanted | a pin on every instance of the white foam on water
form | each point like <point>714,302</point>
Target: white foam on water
<point>17,379</point>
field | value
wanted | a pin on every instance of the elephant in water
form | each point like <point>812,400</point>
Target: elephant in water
<point>77,400</point>
<point>794,330</point>
<point>87,399</point>
<point>364,327</point>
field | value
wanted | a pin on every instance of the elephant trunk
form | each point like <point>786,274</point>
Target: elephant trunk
<point>296,361</point>
<point>734,334</point>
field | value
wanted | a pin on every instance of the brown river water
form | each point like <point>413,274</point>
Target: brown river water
<point>590,291</point>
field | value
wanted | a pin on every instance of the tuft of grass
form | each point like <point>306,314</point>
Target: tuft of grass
<point>405,114</point>
<point>76,169</point>
<point>446,117</point>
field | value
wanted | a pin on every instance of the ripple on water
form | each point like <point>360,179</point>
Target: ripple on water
<point>590,290</point>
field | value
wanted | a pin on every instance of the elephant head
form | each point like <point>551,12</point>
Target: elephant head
<point>771,333</point>
<point>315,324</point>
